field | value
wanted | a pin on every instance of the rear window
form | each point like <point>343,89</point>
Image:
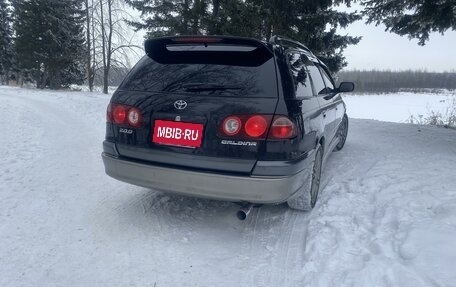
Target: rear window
<point>203,79</point>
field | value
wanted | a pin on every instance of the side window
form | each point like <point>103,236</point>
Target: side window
<point>328,81</point>
<point>317,80</point>
<point>303,87</point>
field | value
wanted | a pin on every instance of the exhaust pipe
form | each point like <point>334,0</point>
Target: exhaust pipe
<point>244,211</point>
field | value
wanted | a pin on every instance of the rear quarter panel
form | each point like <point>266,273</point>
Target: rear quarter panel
<point>305,113</point>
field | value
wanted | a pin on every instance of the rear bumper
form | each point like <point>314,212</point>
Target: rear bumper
<point>254,189</point>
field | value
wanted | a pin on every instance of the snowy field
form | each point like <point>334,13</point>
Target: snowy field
<point>386,214</point>
<point>398,107</point>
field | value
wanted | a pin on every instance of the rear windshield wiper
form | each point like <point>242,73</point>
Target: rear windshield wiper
<point>197,87</point>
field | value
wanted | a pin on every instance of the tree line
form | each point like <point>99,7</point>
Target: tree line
<point>313,23</point>
<point>390,81</point>
<point>54,43</point>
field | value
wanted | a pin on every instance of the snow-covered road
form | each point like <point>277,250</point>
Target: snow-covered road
<point>386,214</point>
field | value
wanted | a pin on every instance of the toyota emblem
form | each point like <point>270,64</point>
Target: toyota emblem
<point>180,104</point>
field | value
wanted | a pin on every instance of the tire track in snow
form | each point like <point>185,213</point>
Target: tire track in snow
<point>372,199</point>
<point>384,218</point>
<point>275,241</point>
<point>286,248</point>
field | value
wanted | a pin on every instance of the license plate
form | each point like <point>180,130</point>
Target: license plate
<point>178,133</point>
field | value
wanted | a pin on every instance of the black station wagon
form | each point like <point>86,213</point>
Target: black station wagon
<point>227,118</point>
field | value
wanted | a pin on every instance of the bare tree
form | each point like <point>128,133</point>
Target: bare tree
<point>89,36</point>
<point>114,41</point>
<point>109,40</point>
<point>106,41</point>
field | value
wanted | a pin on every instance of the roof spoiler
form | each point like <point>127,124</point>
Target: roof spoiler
<point>157,49</point>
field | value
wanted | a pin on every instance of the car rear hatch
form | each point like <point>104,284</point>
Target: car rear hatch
<point>184,90</point>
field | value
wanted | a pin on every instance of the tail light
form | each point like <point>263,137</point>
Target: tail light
<point>109,113</point>
<point>231,125</point>
<point>119,114</point>
<point>134,117</point>
<point>257,126</point>
<point>124,115</point>
<point>282,128</point>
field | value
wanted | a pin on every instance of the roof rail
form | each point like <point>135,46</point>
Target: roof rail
<point>287,42</point>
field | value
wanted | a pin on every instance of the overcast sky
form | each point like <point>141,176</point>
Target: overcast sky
<point>383,50</point>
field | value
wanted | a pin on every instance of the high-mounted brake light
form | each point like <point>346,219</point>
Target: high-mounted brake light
<point>197,40</point>
<point>282,128</point>
<point>124,115</point>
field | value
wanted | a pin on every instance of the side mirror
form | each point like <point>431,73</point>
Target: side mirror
<point>346,87</point>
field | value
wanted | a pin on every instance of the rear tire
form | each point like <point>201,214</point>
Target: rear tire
<point>306,198</point>
<point>342,133</point>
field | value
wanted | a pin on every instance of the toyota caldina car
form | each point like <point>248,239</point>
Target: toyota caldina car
<point>227,118</point>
